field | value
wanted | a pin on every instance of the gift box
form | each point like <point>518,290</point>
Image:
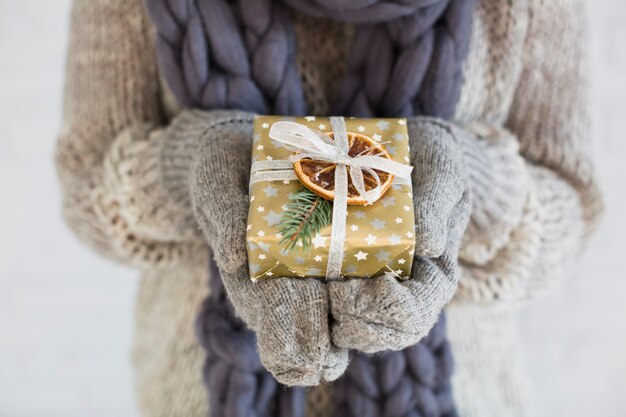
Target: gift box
<point>376,238</point>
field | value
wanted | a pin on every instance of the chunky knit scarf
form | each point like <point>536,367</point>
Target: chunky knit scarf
<point>406,60</point>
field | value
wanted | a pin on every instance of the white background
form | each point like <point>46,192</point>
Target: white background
<point>66,315</point>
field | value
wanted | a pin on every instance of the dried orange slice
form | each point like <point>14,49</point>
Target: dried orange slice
<point>319,176</point>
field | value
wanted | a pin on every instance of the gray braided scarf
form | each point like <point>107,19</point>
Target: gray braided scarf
<point>406,60</point>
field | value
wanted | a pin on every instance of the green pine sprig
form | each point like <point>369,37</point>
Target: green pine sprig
<point>305,216</point>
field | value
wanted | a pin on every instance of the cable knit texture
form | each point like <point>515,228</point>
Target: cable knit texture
<point>241,55</point>
<point>381,386</point>
<point>398,315</point>
<point>523,78</point>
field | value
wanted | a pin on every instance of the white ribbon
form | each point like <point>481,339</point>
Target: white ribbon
<point>316,145</point>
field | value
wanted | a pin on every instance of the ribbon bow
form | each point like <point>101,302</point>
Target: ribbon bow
<point>316,145</point>
<point>319,146</point>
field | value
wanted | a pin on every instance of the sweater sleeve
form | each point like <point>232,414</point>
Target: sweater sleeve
<point>542,201</point>
<point>122,169</point>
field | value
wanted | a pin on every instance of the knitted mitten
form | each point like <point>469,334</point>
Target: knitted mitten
<point>237,383</point>
<point>290,316</point>
<point>383,313</point>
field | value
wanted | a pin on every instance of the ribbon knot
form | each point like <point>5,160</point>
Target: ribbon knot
<point>318,146</point>
<point>344,160</point>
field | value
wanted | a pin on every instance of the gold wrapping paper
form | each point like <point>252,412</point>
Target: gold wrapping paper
<point>379,238</point>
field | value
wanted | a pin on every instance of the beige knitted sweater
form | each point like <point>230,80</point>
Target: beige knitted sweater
<point>535,201</point>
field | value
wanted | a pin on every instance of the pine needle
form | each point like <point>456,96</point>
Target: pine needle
<point>304,217</point>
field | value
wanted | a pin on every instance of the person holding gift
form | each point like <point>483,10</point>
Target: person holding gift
<point>154,158</point>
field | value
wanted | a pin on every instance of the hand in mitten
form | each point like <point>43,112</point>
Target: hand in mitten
<point>290,316</point>
<point>383,313</point>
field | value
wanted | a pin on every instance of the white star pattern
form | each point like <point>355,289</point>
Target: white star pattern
<point>394,239</point>
<point>272,218</point>
<point>378,224</point>
<point>382,256</point>
<point>373,218</point>
<point>319,241</point>
<point>361,256</point>
<point>371,239</point>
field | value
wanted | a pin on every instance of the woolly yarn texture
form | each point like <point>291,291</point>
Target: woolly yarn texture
<point>291,316</point>
<point>406,58</point>
<point>522,77</point>
<point>380,386</point>
<point>417,34</point>
<point>233,361</point>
